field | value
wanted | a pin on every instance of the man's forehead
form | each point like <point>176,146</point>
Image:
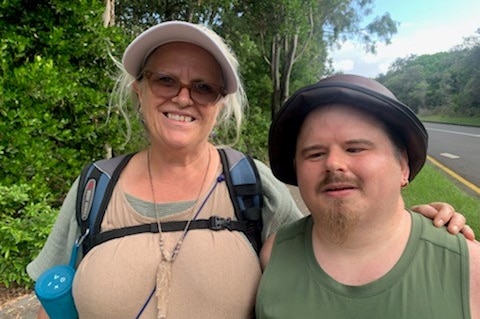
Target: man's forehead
<point>323,118</point>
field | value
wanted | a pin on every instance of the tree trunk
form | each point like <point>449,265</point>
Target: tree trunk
<point>276,74</point>
<point>109,14</point>
<point>108,21</point>
<point>290,52</point>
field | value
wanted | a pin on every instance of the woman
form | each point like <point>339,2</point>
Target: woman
<point>185,81</point>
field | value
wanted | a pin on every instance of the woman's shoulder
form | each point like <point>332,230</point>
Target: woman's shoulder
<point>65,231</point>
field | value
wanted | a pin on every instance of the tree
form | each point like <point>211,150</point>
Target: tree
<point>297,33</point>
<point>54,84</point>
<point>292,36</point>
<point>445,83</point>
<point>471,74</point>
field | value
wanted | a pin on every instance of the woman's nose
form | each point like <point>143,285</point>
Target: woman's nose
<point>183,97</point>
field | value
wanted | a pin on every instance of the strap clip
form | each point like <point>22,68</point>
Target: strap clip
<point>219,223</point>
<point>82,237</point>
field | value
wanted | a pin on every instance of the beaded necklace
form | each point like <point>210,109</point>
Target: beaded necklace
<point>164,271</point>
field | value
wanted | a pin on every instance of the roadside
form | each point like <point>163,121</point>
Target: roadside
<point>23,307</point>
<point>298,199</point>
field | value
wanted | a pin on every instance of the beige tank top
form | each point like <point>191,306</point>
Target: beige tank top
<point>215,275</point>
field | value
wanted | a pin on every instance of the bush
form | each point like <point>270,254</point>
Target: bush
<point>24,228</point>
<point>54,85</point>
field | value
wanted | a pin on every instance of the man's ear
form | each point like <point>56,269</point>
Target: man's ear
<point>404,166</point>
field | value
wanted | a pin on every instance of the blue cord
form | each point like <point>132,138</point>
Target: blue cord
<point>220,179</point>
<point>146,302</point>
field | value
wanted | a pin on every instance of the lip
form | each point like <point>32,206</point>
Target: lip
<point>338,188</point>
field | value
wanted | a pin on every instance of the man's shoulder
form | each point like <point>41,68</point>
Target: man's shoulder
<point>438,236</point>
<point>294,229</point>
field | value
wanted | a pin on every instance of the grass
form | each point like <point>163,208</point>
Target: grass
<point>432,185</point>
<point>473,121</point>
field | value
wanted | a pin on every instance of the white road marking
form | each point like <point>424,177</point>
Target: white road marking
<point>454,132</point>
<point>448,155</point>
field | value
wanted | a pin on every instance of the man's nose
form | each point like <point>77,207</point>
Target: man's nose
<point>335,161</point>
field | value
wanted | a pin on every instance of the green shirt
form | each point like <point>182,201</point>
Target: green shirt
<point>430,280</point>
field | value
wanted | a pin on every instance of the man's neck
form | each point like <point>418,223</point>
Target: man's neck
<point>371,248</point>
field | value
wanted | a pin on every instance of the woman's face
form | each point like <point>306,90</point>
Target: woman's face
<point>177,121</point>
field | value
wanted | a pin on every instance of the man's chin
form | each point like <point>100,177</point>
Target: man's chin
<point>339,220</point>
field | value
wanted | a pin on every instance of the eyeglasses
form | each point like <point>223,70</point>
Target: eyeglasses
<point>168,86</point>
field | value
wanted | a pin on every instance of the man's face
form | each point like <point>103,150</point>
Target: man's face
<point>347,167</point>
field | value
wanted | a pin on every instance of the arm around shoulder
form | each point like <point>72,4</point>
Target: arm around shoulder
<point>444,214</point>
<point>279,208</point>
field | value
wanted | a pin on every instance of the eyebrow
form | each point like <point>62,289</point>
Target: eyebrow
<point>348,143</point>
<point>359,141</point>
<point>177,78</point>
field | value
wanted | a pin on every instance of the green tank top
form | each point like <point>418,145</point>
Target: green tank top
<point>430,280</point>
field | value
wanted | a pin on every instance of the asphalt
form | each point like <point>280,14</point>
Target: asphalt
<point>26,307</point>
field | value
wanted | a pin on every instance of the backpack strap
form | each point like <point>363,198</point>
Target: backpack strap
<point>245,189</point>
<point>214,223</point>
<point>98,179</point>
<point>95,188</point>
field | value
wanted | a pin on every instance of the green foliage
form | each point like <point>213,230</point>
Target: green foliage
<point>55,80</point>
<point>25,223</point>
<point>473,121</point>
<point>53,91</point>
<point>285,40</point>
<point>54,85</point>
<point>292,36</point>
<point>253,139</point>
<point>444,83</point>
<point>255,132</point>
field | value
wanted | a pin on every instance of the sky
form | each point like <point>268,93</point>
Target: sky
<point>426,27</point>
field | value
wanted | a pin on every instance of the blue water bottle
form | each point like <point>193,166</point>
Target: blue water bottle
<point>54,289</point>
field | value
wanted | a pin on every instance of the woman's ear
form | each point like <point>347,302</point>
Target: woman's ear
<point>138,91</point>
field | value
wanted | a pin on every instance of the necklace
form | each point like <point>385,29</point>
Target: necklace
<point>164,271</point>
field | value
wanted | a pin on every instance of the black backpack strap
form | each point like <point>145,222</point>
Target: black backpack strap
<point>98,179</point>
<point>95,188</point>
<point>245,189</point>
<point>213,223</point>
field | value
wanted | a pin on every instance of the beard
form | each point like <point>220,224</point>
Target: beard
<point>338,217</point>
<point>338,220</point>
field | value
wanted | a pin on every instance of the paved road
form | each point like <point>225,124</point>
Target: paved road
<point>21,308</point>
<point>456,147</point>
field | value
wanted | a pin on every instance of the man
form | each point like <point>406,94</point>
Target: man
<point>351,147</point>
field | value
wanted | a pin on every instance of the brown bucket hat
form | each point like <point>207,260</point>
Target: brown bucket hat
<point>353,90</point>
